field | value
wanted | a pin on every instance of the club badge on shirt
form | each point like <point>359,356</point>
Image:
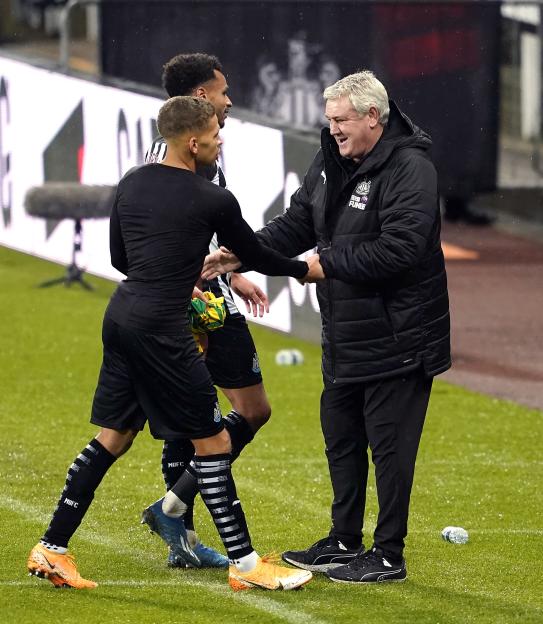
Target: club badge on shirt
<point>217,416</point>
<point>359,198</point>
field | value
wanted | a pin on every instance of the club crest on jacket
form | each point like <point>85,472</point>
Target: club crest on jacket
<point>359,198</point>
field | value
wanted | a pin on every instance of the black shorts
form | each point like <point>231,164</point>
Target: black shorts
<point>231,355</point>
<point>156,378</point>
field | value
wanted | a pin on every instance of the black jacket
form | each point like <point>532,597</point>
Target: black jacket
<point>384,304</point>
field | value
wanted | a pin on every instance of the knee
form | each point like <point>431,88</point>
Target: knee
<point>257,415</point>
<point>262,416</point>
<point>219,444</point>
<point>117,442</point>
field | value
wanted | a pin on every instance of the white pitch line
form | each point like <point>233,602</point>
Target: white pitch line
<point>127,583</point>
<point>497,531</point>
<point>261,603</point>
<point>472,461</point>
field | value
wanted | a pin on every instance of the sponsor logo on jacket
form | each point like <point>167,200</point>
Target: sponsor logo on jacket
<point>359,198</point>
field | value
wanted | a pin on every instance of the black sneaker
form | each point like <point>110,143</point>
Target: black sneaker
<point>370,567</point>
<point>326,554</point>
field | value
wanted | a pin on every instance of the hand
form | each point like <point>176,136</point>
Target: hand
<point>219,262</point>
<point>198,294</point>
<point>315,272</point>
<point>256,301</point>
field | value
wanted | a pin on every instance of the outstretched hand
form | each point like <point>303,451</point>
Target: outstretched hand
<point>219,262</point>
<point>256,300</point>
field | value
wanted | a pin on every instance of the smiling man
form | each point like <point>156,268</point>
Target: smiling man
<point>369,202</point>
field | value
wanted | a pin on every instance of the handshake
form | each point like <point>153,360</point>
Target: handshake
<point>224,261</point>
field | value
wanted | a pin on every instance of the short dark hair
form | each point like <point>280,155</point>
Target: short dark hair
<point>183,113</point>
<point>185,72</point>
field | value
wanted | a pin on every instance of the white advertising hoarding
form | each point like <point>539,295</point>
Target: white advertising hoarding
<point>55,127</point>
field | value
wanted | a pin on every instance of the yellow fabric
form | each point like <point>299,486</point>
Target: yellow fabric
<point>206,316</point>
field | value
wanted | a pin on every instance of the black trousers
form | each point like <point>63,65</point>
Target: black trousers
<point>388,416</point>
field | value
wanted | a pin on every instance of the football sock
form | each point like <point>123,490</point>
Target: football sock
<point>176,456</point>
<point>179,500</point>
<point>181,496</point>
<point>218,491</point>
<point>54,548</point>
<point>240,432</point>
<point>83,477</point>
<point>247,563</point>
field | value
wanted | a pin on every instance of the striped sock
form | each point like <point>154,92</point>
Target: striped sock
<point>176,455</point>
<point>218,492</point>
<point>84,476</point>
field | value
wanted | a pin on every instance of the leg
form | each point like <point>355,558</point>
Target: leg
<point>211,465</point>
<point>395,410</point>
<point>252,403</point>
<point>251,400</point>
<point>346,449</point>
<point>116,442</point>
<point>251,410</point>
<point>176,456</point>
<point>116,410</point>
<point>48,558</point>
<point>233,363</point>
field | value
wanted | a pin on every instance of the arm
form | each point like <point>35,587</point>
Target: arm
<point>234,232</point>
<point>116,244</point>
<point>293,232</point>
<point>408,214</point>
<point>290,233</point>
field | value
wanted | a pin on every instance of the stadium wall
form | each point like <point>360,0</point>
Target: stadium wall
<point>58,127</point>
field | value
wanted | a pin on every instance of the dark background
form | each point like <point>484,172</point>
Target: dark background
<point>439,61</point>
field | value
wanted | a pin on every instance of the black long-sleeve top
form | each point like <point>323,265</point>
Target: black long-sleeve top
<point>161,224</point>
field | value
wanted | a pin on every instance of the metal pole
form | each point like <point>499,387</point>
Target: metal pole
<point>64,44</point>
<point>537,157</point>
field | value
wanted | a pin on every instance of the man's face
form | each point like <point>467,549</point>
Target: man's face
<point>216,91</point>
<point>354,133</point>
<point>209,143</point>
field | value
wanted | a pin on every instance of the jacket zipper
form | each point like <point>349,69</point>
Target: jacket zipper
<point>332,328</point>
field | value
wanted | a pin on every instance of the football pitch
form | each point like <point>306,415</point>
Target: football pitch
<point>479,466</point>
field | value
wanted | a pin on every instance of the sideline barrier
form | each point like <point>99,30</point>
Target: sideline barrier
<point>58,127</point>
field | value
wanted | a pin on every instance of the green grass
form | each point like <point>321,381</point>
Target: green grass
<point>479,467</point>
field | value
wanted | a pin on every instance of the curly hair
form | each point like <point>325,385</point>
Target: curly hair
<point>183,113</point>
<point>186,72</point>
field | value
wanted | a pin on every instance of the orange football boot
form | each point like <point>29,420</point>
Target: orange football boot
<point>59,569</point>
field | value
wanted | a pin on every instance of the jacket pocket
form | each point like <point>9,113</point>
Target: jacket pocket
<point>389,320</point>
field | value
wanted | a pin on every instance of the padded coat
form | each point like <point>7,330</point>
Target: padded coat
<point>384,302</point>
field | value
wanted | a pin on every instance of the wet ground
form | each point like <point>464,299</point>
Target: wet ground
<point>497,312</point>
